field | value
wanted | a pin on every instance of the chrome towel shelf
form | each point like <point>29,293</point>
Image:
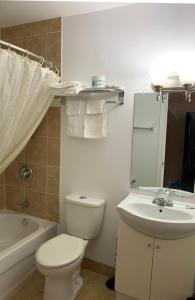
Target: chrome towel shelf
<point>107,93</point>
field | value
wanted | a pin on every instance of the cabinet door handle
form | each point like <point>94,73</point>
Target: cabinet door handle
<point>149,245</point>
<point>157,247</point>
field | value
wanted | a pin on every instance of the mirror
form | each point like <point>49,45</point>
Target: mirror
<point>163,149</point>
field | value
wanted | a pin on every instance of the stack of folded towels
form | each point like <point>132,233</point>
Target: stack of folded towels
<point>67,88</point>
<point>86,118</point>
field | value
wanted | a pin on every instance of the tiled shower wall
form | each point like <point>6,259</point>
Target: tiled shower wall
<point>42,153</point>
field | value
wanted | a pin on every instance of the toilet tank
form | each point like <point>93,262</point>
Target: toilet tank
<point>83,215</point>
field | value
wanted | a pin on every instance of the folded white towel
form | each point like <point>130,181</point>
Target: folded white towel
<point>69,88</point>
<point>85,119</point>
<point>95,106</point>
<point>73,107</point>
<point>95,126</point>
<point>75,125</point>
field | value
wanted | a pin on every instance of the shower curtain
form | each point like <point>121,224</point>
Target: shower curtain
<point>26,92</point>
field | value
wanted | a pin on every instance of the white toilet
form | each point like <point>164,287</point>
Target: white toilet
<point>59,259</point>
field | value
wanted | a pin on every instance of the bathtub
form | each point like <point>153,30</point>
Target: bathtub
<point>20,236</point>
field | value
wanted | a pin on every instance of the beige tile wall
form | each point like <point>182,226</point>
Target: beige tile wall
<point>42,153</point>
<point>42,38</point>
<point>2,190</point>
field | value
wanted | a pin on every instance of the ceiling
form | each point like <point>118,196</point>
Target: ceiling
<point>20,12</point>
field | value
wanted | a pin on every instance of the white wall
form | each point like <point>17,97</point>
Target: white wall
<point>121,43</point>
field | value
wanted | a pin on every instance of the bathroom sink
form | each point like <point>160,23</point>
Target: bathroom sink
<point>160,222</point>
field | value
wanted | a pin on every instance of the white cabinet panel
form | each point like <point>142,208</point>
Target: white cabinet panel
<point>134,262</point>
<point>152,269</point>
<point>173,269</point>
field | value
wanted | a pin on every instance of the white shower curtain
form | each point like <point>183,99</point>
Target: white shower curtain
<point>26,92</point>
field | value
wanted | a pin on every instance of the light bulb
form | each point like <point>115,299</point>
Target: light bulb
<point>174,69</point>
<point>158,77</point>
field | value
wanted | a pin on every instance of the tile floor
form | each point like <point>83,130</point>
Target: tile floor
<point>93,288</point>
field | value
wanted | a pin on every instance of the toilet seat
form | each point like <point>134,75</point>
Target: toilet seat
<point>60,251</point>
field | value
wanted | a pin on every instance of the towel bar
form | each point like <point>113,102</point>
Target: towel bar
<point>144,128</point>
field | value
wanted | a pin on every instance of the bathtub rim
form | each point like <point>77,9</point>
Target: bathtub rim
<point>42,224</point>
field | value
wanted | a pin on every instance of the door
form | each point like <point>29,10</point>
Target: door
<point>133,262</point>
<point>173,269</point>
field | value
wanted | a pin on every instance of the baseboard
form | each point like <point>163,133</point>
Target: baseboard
<point>98,267</point>
<point>120,296</point>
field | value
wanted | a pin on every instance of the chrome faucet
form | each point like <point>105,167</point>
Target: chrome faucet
<point>164,201</point>
<point>23,204</point>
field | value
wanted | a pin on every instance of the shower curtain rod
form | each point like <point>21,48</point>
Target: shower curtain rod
<point>41,59</point>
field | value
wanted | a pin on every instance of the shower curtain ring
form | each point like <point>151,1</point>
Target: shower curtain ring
<point>51,65</point>
<point>42,60</point>
<point>9,47</point>
<point>56,70</point>
<point>27,53</point>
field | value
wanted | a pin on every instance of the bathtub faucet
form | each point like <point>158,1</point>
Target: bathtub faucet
<point>23,204</point>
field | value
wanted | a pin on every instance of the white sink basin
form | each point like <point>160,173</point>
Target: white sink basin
<point>160,222</point>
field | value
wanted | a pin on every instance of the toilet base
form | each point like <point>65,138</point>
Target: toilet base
<point>62,288</point>
<point>62,283</point>
<point>78,283</point>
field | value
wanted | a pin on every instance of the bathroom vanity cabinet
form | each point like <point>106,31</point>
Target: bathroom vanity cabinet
<point>153,269</point>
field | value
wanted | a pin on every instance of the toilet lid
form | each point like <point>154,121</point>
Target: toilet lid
<point>60,251</point>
